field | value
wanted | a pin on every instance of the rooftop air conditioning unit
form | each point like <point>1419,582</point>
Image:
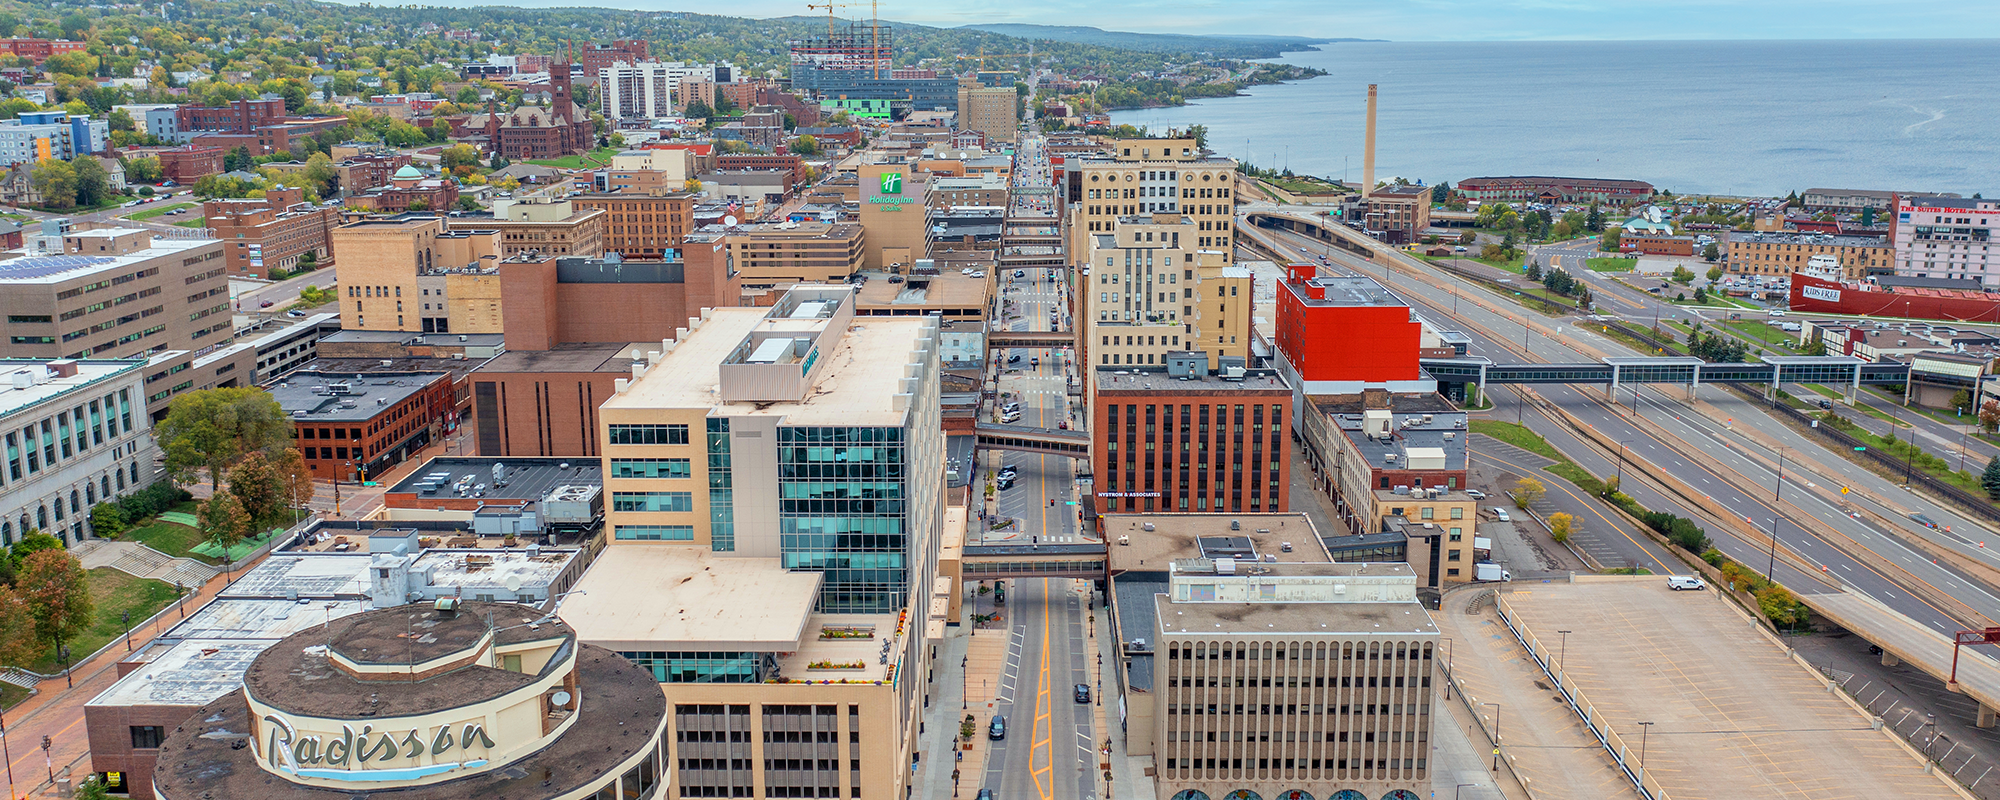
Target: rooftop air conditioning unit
<point>1124,540</point>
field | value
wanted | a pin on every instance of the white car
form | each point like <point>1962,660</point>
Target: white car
<point>1475,494</point>
<point>1501,515</point>
<point>1686,583</point>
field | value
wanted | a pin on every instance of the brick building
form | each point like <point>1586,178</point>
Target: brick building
<point>1783,253</point>
<point>185,165</point>
<point>409,273</point>
<point>349,428</point>
<point>532,132</point>
<point>791,164</point>
<point>38,50</point>
<point>594,56</point>
<point>1539,189</point>
<point>274,232</point>
<point>1177,439</point>
<point>641,226</point>
<point>115,293</point>
<point>541,225</point>
<point>1394,214</point>
<point>241,117</point>
<point>1657,244</point>
<point>408,190</point>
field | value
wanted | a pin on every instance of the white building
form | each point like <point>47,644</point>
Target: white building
<point>645,90</point>
<point>1947,237</point>
<point>76,433</point>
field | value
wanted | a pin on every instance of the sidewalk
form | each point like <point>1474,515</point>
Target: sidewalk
<point>981,655</point>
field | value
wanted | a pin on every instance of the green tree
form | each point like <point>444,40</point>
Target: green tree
<point>321,173</point>
<point>56,590</point>
<point>107,520</point>
<point>145,169</point>
<point>1527,491</point>
<point>1990,479</point>
<point>211,429</point>
<point>1609,241</point>
<point>238,158</point>
<point>55,180</point>
<point>34,542</point>
<point>804,145</point>
<point>467,96</point>
<point>223,521</point>
<point>1700,294</point>
<point>1714,274</point>
<point>256,485</point>
<point>1594,221</point>
<point>1712,253</point>
<point>459,155</point>
<point>93,184</point>
<point>1961,400</point>
<point>93,789</point>
<point>1199,133</point>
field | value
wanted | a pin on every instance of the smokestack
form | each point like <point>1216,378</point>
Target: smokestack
<point>1368,149</point>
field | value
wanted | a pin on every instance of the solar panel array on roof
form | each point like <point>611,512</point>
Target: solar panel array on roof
<point>43,266</point>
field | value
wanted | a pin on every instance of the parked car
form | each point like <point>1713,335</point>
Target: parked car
<point>1083,692</point>
<point>1475,494</point>
<point>1686,583</point>
<point>1501,515</point>
<point>985,794</point>
<point>997,730</point>
<point>295,313</point>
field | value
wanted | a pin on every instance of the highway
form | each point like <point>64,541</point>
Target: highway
<point>1737,473</point>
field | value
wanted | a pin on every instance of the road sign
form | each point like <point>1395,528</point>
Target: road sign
<point>1843,490</point>
<point>1859,449</point>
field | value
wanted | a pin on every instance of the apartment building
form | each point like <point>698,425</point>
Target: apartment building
<point>984,190</point>
<point>1542,189</point>
<point>185,165</point>
<point>35,135</point>
<point>1783,253</point>
<point>411,273</point>
<point>1143,176</point>
<point>776,476</point>
<point>636,90</point>
<point>991,110</point>
<point>274,232</point>
<point>77,435</point>
<point>539,224</point>
<point>1854,200</point>
<point>1178,438</point>
<point>1946,237</point>
<point>777,253</point>
<point>1150,289</point>
<point>1288,679</point>
<point>115,292</point>
<point>350,427</point>
<point>641,226</point>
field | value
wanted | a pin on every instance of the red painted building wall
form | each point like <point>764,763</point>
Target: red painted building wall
<point>1344,342</point>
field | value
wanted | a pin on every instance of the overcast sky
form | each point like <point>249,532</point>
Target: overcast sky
<point>1418,20</point>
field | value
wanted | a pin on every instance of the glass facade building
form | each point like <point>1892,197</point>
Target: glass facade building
<point>841,512</point>
<point>721,490</point>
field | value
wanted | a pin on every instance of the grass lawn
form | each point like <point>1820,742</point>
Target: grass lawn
<point>1517,436</point>
<point>171,538</point>
<point>1676,350</point>
<point>1611,264</point>
<point>1766,333</point>
<point>114,593</point>
<point>158,211</point>
<point>1306,186</point>
<point>1511,265</point>
<point>602,156</point>
<point>11,695</point>
<point>197,222</point>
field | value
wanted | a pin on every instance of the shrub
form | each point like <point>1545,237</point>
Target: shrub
<point>1713,556</point>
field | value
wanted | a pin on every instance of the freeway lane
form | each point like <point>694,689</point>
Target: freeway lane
<point>1700,471</point>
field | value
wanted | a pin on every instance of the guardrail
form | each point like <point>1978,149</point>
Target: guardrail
<point>1891,710</point>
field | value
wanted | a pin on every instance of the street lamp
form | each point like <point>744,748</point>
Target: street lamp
<point>1496,735</point>
<point>1644,728</point>
<point>1561,655</point>
<point>1621,463</point>
<point>965,690</point>
<point>1780,491</point>
<point>128,631</point>
<point>1771,571</point>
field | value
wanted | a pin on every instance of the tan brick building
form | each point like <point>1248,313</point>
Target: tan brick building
<point>1144,176</point>
<point>275,232</point>
<point>641,225</point>
<point>115,293</point>
<point>1759,253</point>
<point>402,272</point>
<point>988,109</point>
<point>542,225</point>
<point>774,254</point>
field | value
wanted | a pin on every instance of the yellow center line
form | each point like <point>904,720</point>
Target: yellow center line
<point>1044,727</point>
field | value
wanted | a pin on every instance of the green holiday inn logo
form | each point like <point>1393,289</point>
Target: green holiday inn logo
<point>892,183</point>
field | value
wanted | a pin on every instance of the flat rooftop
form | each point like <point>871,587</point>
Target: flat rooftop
<point>948,289</point>
<point>1722,717</point>
<point>343,397</point>
<point>318,576</point>
<point>1337,291</point>
<point>856,388</point>
<point>1403,618</point>
<point>242,618</point>
<point>1128,379</point>
<point>191,673</point>
<point>1827,239</point>
<point>812,649</point>
<point>44,385</point>
<point>1410,436</point>
<point>485,568</point>
<point>525,478</point>
<point>675,597</point>
<point>406,337</point>
<point>24,267</point>
<point>578,357</point>
<point>1177,536</point>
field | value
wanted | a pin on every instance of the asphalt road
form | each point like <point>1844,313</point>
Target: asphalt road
<point>1738,474</point>
<point>1046,753</point>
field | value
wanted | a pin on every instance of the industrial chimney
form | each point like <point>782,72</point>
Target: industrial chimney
<point>1368,149</point>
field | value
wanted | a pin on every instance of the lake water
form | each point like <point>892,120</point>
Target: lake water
<point>1744,118</point>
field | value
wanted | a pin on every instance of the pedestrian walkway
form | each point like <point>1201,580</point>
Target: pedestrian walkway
<point>137,559</point>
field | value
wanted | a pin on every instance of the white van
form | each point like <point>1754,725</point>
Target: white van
<point>1776,312</point>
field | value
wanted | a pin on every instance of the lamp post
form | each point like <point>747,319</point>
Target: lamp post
<point>965,690</point>
<point>62,651</point>
<point>1780,491</point>
<point>1644,728</point>
<point>1496,735</point>
<point>5,755</point>
<point>1561,656</point>
<point>1448,648</point>
<point>1621,463</point>
<point>1771,571</point>
<point>46,760</point>
<point>1930,724</point>
<point>128,631</point>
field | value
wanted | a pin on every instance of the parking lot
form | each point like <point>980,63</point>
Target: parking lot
<point>1733,715</point>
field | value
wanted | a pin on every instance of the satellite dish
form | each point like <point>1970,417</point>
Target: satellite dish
<point>512,582</point>
<point>729,220</point>
<point>560,699</point>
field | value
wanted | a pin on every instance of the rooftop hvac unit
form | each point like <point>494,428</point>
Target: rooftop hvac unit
<point>1124,540</point>
<point>1148,526</point>
<point>1235,525</point>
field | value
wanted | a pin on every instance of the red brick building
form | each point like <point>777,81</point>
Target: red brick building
<point>532,132</point>
<point>241,117</point>
<point>1164,443</point>
<point>186,165</point>
<point>1657,245</point>
<point>274,232</point>
<point>407,190</point>
<point>351,427</point>
<point>791,164</point>
<point>594,56</point>
<point>1339,335</point>
<point>641,226</point>
<point>38,50</point>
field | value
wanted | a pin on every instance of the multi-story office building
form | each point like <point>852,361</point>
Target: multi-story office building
<point>1946,237</point>
<point>984,190</point>
<point>641,226</point>
<point>991,110</point>
<point>776,508</point>
<point>1397,214</point>
<point>1143,176</point>
<point>1380,452</point>
<point>597,56</point>
<point>641,90</point>
<point>77,434</point>
<point>188,164</point>
<point>115,292</point>
<point>541,225</point>
<point>1539,189</point>
<point>1150,289</point>
<point>350,427</point>
<point>1759,253</point>
<point>555,301</point>
<point>772,254</point>
<point>274,232</point>
<point>36,135</point>
<point>1341,335</point>
<point>1854,200</point>
<point>1285,677</point>
<point>409,273</point>
<point>241,117</point>
<point>1178,438</point>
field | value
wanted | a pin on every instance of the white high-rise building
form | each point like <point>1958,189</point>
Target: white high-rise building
<point>645,90</point>
<point>1947,237</point>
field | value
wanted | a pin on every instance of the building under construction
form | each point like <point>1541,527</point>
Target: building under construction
<point>861,47</point>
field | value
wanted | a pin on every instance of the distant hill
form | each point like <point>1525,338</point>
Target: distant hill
<point>1223,45</point>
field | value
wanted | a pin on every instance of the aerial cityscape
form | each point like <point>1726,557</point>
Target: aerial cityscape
<point>885,401</point>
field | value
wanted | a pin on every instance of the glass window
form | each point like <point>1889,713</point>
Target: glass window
<point>654,533</point>
<point>649,434</point>
<point>650,468</point>
<point>652,501</point>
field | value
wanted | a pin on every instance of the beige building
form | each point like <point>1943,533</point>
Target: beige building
<point>774,254</point>
<point>115,293</point>
<point>675,166</point>
<point>1149,290</point>
<point>1786,252</point>
<point>1143,176</point>
<point>895,210</point>
<point>543,225</point>
<point>790,628</point>
<point>404,270</point>
<point>992,110</point>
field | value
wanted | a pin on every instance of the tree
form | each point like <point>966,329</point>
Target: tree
<point>1990,479</point>
<point>805,145</point>
<point>1700,294</point>
<point>1467,238</point>
<point>1989,416</point>
<point>107,520</point>
<point>320,173</point>
<point>211,429</point>
<point>1527,491</point>
<point>1714,274</point>
<point>467,96</point>
<point>93,184</point>
<point>1440,191</point>
<point>238,158</point>
<point>34,542</point>
<point>55,180</point>
<point>145,169</point>
<point>256,486</point>
<point>1594,221</point>
<point>295,483</point>
<point>1961,400</point>
<point>1609,241</point>
<point>459,155</point>
<point>56,591</point>
<point>17,627</point>
<point>222,520</point>
<point>498,162</point>
<point>697,109</point>
<point>1561,525</point>
<point>1713,253</point>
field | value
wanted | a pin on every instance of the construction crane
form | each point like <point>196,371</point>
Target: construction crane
<point>829,15</point>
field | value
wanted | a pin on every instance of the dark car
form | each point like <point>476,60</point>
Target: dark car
<point>985,794</point>
<point>1083,692</point>
<point>997,730</point>
<point>265,304</point>
<point>1005,484</point>
<point>1013,359</point>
